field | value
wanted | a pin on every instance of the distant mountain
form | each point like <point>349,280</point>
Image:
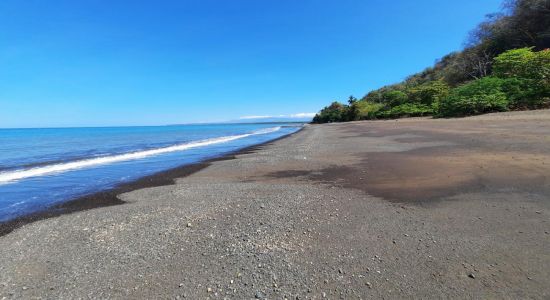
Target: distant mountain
<point>272,120</point>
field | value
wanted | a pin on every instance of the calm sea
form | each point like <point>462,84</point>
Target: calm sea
<point>42,167</point>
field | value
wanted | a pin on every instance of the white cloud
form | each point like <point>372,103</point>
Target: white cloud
<point>293,116</point>
<point>254,117</point>
<point>302,115</point>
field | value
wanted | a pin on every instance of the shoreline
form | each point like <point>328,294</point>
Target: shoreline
<point>421,208</point>
<point>109,197</point>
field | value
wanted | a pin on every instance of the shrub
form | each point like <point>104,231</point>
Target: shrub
<point>477,97</point>
<point>365,110</point>
<point>514,63</point>
<point>429,92</point>
<point>335,112</point>
<point>373,97</point>
<point>407,110</point>
<point>527,75</point>
<point>524,93</point>
<point>394,98</point>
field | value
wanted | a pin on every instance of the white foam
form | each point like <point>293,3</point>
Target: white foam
<point>12,176</point>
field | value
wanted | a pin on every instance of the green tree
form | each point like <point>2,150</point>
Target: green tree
<point>406,110</point>
<point>523,63</point>
<point>394,98</point>
<point>520,78</point>
<point>516,63</point>
<point>477,97</point>
<point>527,75</point>
<point>335,112</point>
<point>429,93</point>
<point>365,110</point>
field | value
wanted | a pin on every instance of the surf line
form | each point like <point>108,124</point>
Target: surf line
<point>13,176</point>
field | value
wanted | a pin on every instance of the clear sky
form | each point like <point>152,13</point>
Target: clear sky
<point>114,62</point>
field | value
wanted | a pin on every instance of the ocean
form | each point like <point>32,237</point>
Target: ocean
<point>43,167</point>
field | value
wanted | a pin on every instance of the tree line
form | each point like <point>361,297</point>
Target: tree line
<point>505,65</point>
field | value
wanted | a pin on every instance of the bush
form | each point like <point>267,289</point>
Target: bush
<point>429,92</point>
<point>514,63</point>
<point>406,110</point>
<point>365,110</point>
<point>394,98</point>
<point>477,97</point>
<point>526,75</point>
<point>524,93</point>
<point>336,112</point>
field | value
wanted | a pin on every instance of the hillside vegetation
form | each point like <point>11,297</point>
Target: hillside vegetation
<point>505,66</point>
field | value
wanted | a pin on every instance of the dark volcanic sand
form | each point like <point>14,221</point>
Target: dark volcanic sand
<point>413,208</point>
<point>110,197</point>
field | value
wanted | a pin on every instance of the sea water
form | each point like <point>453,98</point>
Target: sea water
<point>47,166</point>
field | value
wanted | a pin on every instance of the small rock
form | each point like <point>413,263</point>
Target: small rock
<point>369,285</point>
<point>209,290</point>
<point>259,295</point>
<point>471,275</point>
<point>189,225</point>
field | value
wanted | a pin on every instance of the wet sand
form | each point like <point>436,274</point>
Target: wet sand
<point>420,208</point>
<point>110,197</point>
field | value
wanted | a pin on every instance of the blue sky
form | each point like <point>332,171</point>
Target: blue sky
<point>100,63</point>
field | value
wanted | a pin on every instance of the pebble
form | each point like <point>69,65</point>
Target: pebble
<point>189,225</point>
<point>259,295</point>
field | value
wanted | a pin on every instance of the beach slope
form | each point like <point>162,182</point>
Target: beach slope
<point>422,208</point>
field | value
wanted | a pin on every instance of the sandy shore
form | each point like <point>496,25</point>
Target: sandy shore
<point>111,197</point>
<point>419,208</point>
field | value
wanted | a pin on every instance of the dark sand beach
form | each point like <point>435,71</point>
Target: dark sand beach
<point>110,197</point>
<point>410,208</point>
